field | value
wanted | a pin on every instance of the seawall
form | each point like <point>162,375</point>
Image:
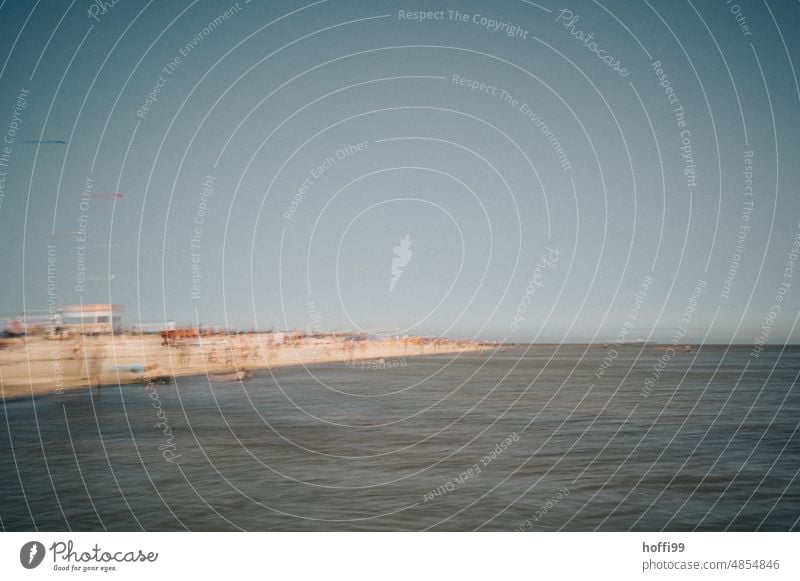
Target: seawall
<point>38,365</point>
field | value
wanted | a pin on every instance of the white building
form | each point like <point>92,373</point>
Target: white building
<point>95,318</point>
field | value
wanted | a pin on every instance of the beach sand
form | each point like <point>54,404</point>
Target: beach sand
<point>40,365</point>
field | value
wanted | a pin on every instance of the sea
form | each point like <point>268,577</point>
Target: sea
<point>523,438</point>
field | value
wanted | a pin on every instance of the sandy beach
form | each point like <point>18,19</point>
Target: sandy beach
<point>40,365</point>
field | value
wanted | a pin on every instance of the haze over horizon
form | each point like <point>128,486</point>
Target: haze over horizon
<point>481,171</point>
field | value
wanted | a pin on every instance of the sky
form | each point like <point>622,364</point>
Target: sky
<point>514,171</point>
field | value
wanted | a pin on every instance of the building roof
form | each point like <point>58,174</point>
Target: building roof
<point>93,308</point>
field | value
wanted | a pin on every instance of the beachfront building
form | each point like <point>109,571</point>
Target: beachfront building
<point>93,318</point>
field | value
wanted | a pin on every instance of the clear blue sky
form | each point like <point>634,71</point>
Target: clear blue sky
<point>486,137</point>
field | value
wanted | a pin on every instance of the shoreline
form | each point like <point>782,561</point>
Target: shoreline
<point>38,365</point>
<point>41,365</point>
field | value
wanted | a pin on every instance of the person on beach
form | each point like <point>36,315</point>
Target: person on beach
<point>185,351</point>
<point>77,355</point>
<point>96,368</point>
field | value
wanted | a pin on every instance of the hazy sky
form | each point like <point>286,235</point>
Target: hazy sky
<point>546,162</point>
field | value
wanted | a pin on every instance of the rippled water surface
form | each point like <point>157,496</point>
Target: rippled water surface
<point>496,441</point>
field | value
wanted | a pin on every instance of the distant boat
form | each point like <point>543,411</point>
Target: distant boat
<point>233,376</point>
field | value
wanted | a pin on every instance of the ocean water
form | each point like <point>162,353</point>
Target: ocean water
<point>523,439</point>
